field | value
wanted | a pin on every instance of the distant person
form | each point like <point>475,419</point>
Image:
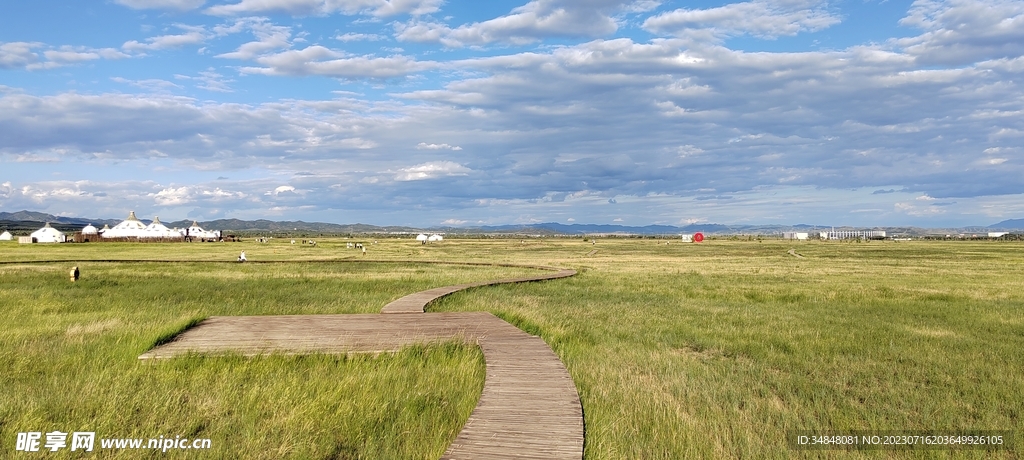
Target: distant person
<point>241,258</point>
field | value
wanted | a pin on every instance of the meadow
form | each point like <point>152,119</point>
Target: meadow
<point>711,350</point>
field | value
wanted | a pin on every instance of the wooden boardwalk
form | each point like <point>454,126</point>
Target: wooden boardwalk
<point>529,407</point>
<point>416,302</point>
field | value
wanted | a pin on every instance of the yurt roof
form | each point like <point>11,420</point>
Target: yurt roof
<point>421,237</point>
<point>157,225</point>
<point>89,229</point>
<point>131,223</point>
<point>47,229</point>
<point>6,235</point>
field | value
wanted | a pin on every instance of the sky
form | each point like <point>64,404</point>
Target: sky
<point>463,113</point>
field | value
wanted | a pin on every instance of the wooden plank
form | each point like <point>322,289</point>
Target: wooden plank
<point>529,407</point>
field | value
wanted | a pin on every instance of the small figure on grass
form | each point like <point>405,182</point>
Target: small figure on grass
<point>241,258</point>
<point>74,274</point>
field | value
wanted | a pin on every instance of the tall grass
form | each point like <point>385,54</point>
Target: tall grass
<point>711,350</point>
<point>718,350</point>
<point>69,357</point>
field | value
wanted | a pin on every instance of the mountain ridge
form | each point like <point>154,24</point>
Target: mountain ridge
<point>27,218</point>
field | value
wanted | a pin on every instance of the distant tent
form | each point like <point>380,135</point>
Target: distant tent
<point>48,234</point>
<point>131,227</point>
<point>157,229</point>
<point>435,237</point>
<point>89,230</point>
<point>195,231</point>
<point>6,236</point>
<point>421,237</point>
<point>105,228</point>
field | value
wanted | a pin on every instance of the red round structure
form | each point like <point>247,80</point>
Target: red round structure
<point>698,237</point>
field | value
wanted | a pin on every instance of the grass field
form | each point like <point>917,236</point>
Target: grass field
<point>711,350</point>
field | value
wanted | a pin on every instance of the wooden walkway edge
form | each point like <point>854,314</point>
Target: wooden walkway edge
<point>529,407</point>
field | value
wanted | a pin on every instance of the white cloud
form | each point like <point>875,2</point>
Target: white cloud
<point>529,23</point>
<point>318,60</point>
<point>17,54</point>
<point>964,31</point>
<point>426,146</point>
<point>379,8</point>
<point>432,170</point>
<point>192,36</point>
<point>761,18</point>
<point>209,80</point>
<point>282,189</point>
<point>354,37</point>
<point>21,55</point>
<point>269,37</point>
<point>152,84</point>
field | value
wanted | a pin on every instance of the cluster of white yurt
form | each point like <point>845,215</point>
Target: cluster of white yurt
<point>132,227</point>
<point>432,238</point>
<point>195,231</point>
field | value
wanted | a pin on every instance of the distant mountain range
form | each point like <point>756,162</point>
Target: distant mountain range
<point>24,220</point>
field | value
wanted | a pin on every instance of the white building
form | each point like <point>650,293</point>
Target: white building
<point>195,231</point>
<point>794,235</point>
<point>48,234</point>
<point>6,236</point>
<point>132,227</point>
<point>435,237</point>
<point>853,234</point>
<point>89,230</point>
<point>157,229</point>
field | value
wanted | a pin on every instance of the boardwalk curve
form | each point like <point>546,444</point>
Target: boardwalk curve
<point>529,407</point>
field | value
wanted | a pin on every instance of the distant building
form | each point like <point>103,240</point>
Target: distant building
<point>48,234</point>
<point>6,236</point>
<point>131,227</point>
<point>794,235</point>
<point>853,234</point>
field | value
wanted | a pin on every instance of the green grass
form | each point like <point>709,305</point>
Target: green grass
<point>711,350</point>
<point>69,357</point>
<point>717,350</point>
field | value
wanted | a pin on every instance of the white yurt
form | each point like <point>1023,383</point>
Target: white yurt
<point>89,230</point>
<point>6,236</point>
<point>435,237</point>
<point>105,228</point>
<point>131,227</point>
<point>48,234</point>
<point>157,229</point>
<point>421,237</point>
<point>195,231</point>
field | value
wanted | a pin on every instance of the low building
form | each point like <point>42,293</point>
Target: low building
<point>794,235</point>
<point>853,234</point>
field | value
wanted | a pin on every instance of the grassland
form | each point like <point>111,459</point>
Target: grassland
<point>710,350</point>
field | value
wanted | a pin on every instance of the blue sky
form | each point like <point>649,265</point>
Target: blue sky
<point>433,112</point>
